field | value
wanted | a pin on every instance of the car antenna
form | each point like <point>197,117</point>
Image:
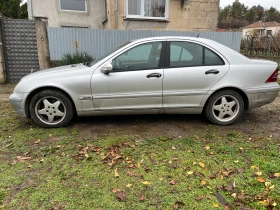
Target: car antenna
<point>198,35</point>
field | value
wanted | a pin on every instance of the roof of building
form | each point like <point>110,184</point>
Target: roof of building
<point>263,24</point>
<point>222,30</point>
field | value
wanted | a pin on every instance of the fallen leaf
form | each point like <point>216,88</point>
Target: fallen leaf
<point>260,179</point>
<point>199,198</point>
<point>146,183</point>
<point>129,185</point>
<point>276,174</point>
<point>207,147</point>
<point>120,195</point>
<point>267,184</point>
<point>172,182</point>
<point>117,173</point>
<point>37,141</point>
<point>142,198</point>
<point>236,161</point>
<point>255,167</point>
<point>22,159</point>
<point>216,205</point>
<point>259,173</point>
<point>190,172</point>
<point>173,147</point>
<point>271,187</point>
<point>201,164</point>
<point>177,204</point>
<point>234,195</point>
<point>14,162</point>
<point>202,183</point>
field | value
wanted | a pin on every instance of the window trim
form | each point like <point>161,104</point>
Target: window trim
<point>167,61</point>
<point>142,17</point>
<point>161,64</point>
<point>79,11</point>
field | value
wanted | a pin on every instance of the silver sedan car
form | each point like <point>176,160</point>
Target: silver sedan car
<point>159,75</point>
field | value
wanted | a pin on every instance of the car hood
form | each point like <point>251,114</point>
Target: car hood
<point>57,70</point>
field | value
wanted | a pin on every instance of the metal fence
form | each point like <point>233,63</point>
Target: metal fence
<point>98,42</point>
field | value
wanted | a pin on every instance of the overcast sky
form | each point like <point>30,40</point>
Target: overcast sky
<point>264,3</point>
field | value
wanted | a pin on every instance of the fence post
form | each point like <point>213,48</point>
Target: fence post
<point>2,60</point>
<point>42,44</point>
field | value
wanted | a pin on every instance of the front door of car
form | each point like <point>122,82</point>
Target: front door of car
<point>191,70</point>
<point>135,81</point>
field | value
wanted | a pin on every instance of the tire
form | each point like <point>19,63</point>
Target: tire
<point>51,109</point>
<point>224,107</point>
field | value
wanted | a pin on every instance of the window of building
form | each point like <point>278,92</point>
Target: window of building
<point>73,5</point>
<point>147,9</point>
<point>269,32</point>
<point>141,57</point>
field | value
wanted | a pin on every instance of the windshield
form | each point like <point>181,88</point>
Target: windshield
<point>104,56</point>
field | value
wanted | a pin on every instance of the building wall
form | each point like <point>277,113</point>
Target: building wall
<point>245,31</point>
<point>193,15</point>
<point>50,9</point>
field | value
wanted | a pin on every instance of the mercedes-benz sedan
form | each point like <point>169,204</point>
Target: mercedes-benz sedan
<point>159,75</point>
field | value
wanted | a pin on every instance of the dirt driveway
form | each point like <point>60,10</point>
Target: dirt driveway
<point>263,121</point>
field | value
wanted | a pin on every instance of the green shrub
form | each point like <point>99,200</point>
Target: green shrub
<point>76,58</point>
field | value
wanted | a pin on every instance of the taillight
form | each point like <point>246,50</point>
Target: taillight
<point>273,77</point>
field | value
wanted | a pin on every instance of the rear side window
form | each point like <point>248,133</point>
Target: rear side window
<point>187,54</point>
<point>212,59</point>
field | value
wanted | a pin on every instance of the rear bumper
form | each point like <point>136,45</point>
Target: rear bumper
<point>260,97</point>
<point>17,100</point>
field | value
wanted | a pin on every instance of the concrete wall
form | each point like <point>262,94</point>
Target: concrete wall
<point>42,44</point>
<point>250,31</point>
<point>50,9</point>
<point>194,15</point>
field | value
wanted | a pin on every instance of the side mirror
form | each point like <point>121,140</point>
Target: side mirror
<point>107,68</point>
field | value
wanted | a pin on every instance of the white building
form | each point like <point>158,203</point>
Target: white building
<point>69,13</point>
<point>261,28</point>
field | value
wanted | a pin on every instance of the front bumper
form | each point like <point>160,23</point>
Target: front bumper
<point>260,97</point>
<point>18,102</point>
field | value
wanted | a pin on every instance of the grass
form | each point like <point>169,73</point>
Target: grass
<point>65,170</point>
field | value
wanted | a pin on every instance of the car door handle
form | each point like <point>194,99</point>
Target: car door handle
<point>213,71</point>
<point>157,75</point>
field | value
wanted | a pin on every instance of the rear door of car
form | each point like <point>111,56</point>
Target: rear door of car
<point>191,69</point>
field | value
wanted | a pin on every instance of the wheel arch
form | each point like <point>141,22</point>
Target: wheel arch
<point>241,92</point>
<point>37,90</point>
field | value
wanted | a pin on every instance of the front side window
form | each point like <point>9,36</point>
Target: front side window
<point>73,5</point>
<point>151,9</point>
<point>141,57</point>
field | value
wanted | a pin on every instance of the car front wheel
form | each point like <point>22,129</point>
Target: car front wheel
<point>51,109</point>
<point>224,107</point>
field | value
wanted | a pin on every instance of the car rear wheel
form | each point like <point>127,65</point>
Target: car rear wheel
<point>224,107</point>
<point>51,109</point>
